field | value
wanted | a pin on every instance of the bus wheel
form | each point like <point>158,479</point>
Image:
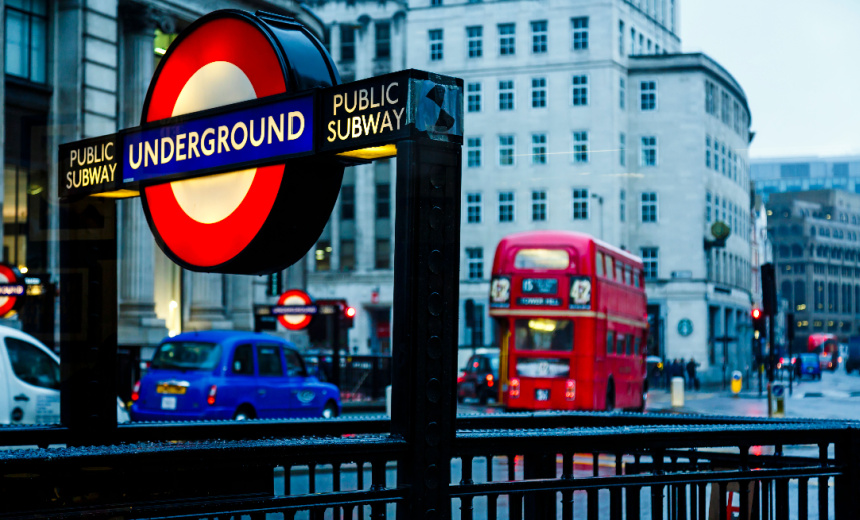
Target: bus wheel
<point>610,397</point>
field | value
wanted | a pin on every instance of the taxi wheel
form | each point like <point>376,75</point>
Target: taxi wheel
<point>329,411</point>
<point>243,414</point>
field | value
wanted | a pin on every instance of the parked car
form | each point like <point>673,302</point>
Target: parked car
<point>230,375</point>
<point>479,379</point>
<point>807,364</point>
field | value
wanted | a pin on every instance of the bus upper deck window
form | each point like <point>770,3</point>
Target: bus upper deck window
<point>542,259</point>
<point>598,263</point>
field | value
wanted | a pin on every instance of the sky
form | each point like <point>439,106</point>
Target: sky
<point>798,62</point>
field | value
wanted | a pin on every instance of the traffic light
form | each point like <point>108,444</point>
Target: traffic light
<point>347,314</point>
<point>759,327</point>
<point>768,290</point>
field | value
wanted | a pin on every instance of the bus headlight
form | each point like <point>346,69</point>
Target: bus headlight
<point>514,391</point>
<point>570,390</point>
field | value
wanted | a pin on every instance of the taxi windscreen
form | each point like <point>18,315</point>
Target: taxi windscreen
<point>186,355</point>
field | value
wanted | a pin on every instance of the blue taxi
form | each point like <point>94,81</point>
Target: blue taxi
<point>230,375</point>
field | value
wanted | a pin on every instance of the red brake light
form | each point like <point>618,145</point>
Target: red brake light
<point>514,391</point>
<point>135,392</point>
<point>211,398</point>
<point>490,380</point>
<point>570,390</point>
<point>461,377</point>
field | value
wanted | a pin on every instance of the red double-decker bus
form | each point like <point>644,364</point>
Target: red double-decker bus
<point>571,312</point>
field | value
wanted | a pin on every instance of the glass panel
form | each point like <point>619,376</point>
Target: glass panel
<point>269,360</point>
<point>17,43</point>
<point>186,355</point>
<point>542,259</point>
<point>243,360</point>
<point>38,51</point>
<point>543,334</point>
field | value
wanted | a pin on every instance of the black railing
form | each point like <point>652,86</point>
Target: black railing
<point>564,465</point>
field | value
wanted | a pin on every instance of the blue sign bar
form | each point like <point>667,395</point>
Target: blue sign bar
<point>244,137</point>
<point>279,310</point>
<point>11,289</point>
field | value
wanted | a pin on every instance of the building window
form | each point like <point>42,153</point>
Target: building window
<point>383,201</point>
<point>347,254</point>
<point>538,148</point>
<point>322,256</point>
<point>475,37</point>
<point>506,206</point>
<point>649,259</point>
<point>649,207</point>
<point>580,204</point>
<point>622,149</point>
<point>580,147</point>
<point>539,205</point>
<point>475,260</point>
<point>632,41</point>
<point>473,101</point>
<point>347,43</point>
<point>538,92</point>
<point>649,151</point>
<point>382,253</point>
<point>435,3</point>
<point>507,39</point>
<point>347,202</point>
<point>622,93</point>
<point>506,150</point>
<point>473,152</point>
<point>580,33</point>
<point>622,205</point>
<point>539,37</point>
<point>473,208</point>
<point>436,50</point>
<point>648,95</point>
<point>580,90</point>
<point>506,94</point>
<point>26,47</point>
<point>724,106</point>
<point>710,98</point>
<point>620,38</point>
<point>708,207</point>
<point>708,151</point>
<point>383,39</point>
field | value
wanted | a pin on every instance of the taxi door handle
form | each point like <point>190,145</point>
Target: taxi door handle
<point>21,397</point>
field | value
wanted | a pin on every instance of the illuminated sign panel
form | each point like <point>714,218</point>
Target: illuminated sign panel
<point>89,166</point>
<point>233,140</point>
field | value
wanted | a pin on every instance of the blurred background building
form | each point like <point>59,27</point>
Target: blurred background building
<point>582,116</point>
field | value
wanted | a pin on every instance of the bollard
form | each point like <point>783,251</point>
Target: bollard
<point>778,396</point>
<point>388,400</point>
<point>677,392</point>
<point>737,382</point>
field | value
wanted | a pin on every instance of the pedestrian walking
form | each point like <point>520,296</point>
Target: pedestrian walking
<point>692,380</point>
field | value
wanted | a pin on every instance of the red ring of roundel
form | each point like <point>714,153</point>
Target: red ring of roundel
<point>238,42</point>
<point>10,300</point>
<point>307,301</point>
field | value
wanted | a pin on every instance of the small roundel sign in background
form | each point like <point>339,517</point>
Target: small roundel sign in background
<point>295,298</point>
<point>257,220</point>
<point>8,278</point>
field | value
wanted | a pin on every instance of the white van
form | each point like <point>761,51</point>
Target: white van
<point>30,381</point>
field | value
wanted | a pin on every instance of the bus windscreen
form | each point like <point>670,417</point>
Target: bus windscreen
<point>541,259</point>
<point>543,334</point>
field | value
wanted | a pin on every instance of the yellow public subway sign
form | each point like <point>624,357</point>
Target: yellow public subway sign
<point>366,118</point>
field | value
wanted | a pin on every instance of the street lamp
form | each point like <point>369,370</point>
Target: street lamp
<point>599,201</point>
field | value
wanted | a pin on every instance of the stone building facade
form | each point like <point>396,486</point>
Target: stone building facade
<point>578,115</point>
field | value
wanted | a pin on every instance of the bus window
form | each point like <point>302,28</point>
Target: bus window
<point>598,263</point>
<point>619,272</point>
<point>543,334</point>
<point>635,346</point>
<point>610,342</point>
<point>629,345</point>
<point>541,259</point>
<point>609,268</point>
<point>619,345</point>
<point>636,278</point>
<point>628,275</point>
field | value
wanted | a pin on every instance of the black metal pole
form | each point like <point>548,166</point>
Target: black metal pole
<point>426,292</point>
<point>88,318</point>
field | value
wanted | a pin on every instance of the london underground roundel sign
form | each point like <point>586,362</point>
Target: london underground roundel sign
<point>256,220</point>
<point>10,289</point>
<point>297,300</point>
